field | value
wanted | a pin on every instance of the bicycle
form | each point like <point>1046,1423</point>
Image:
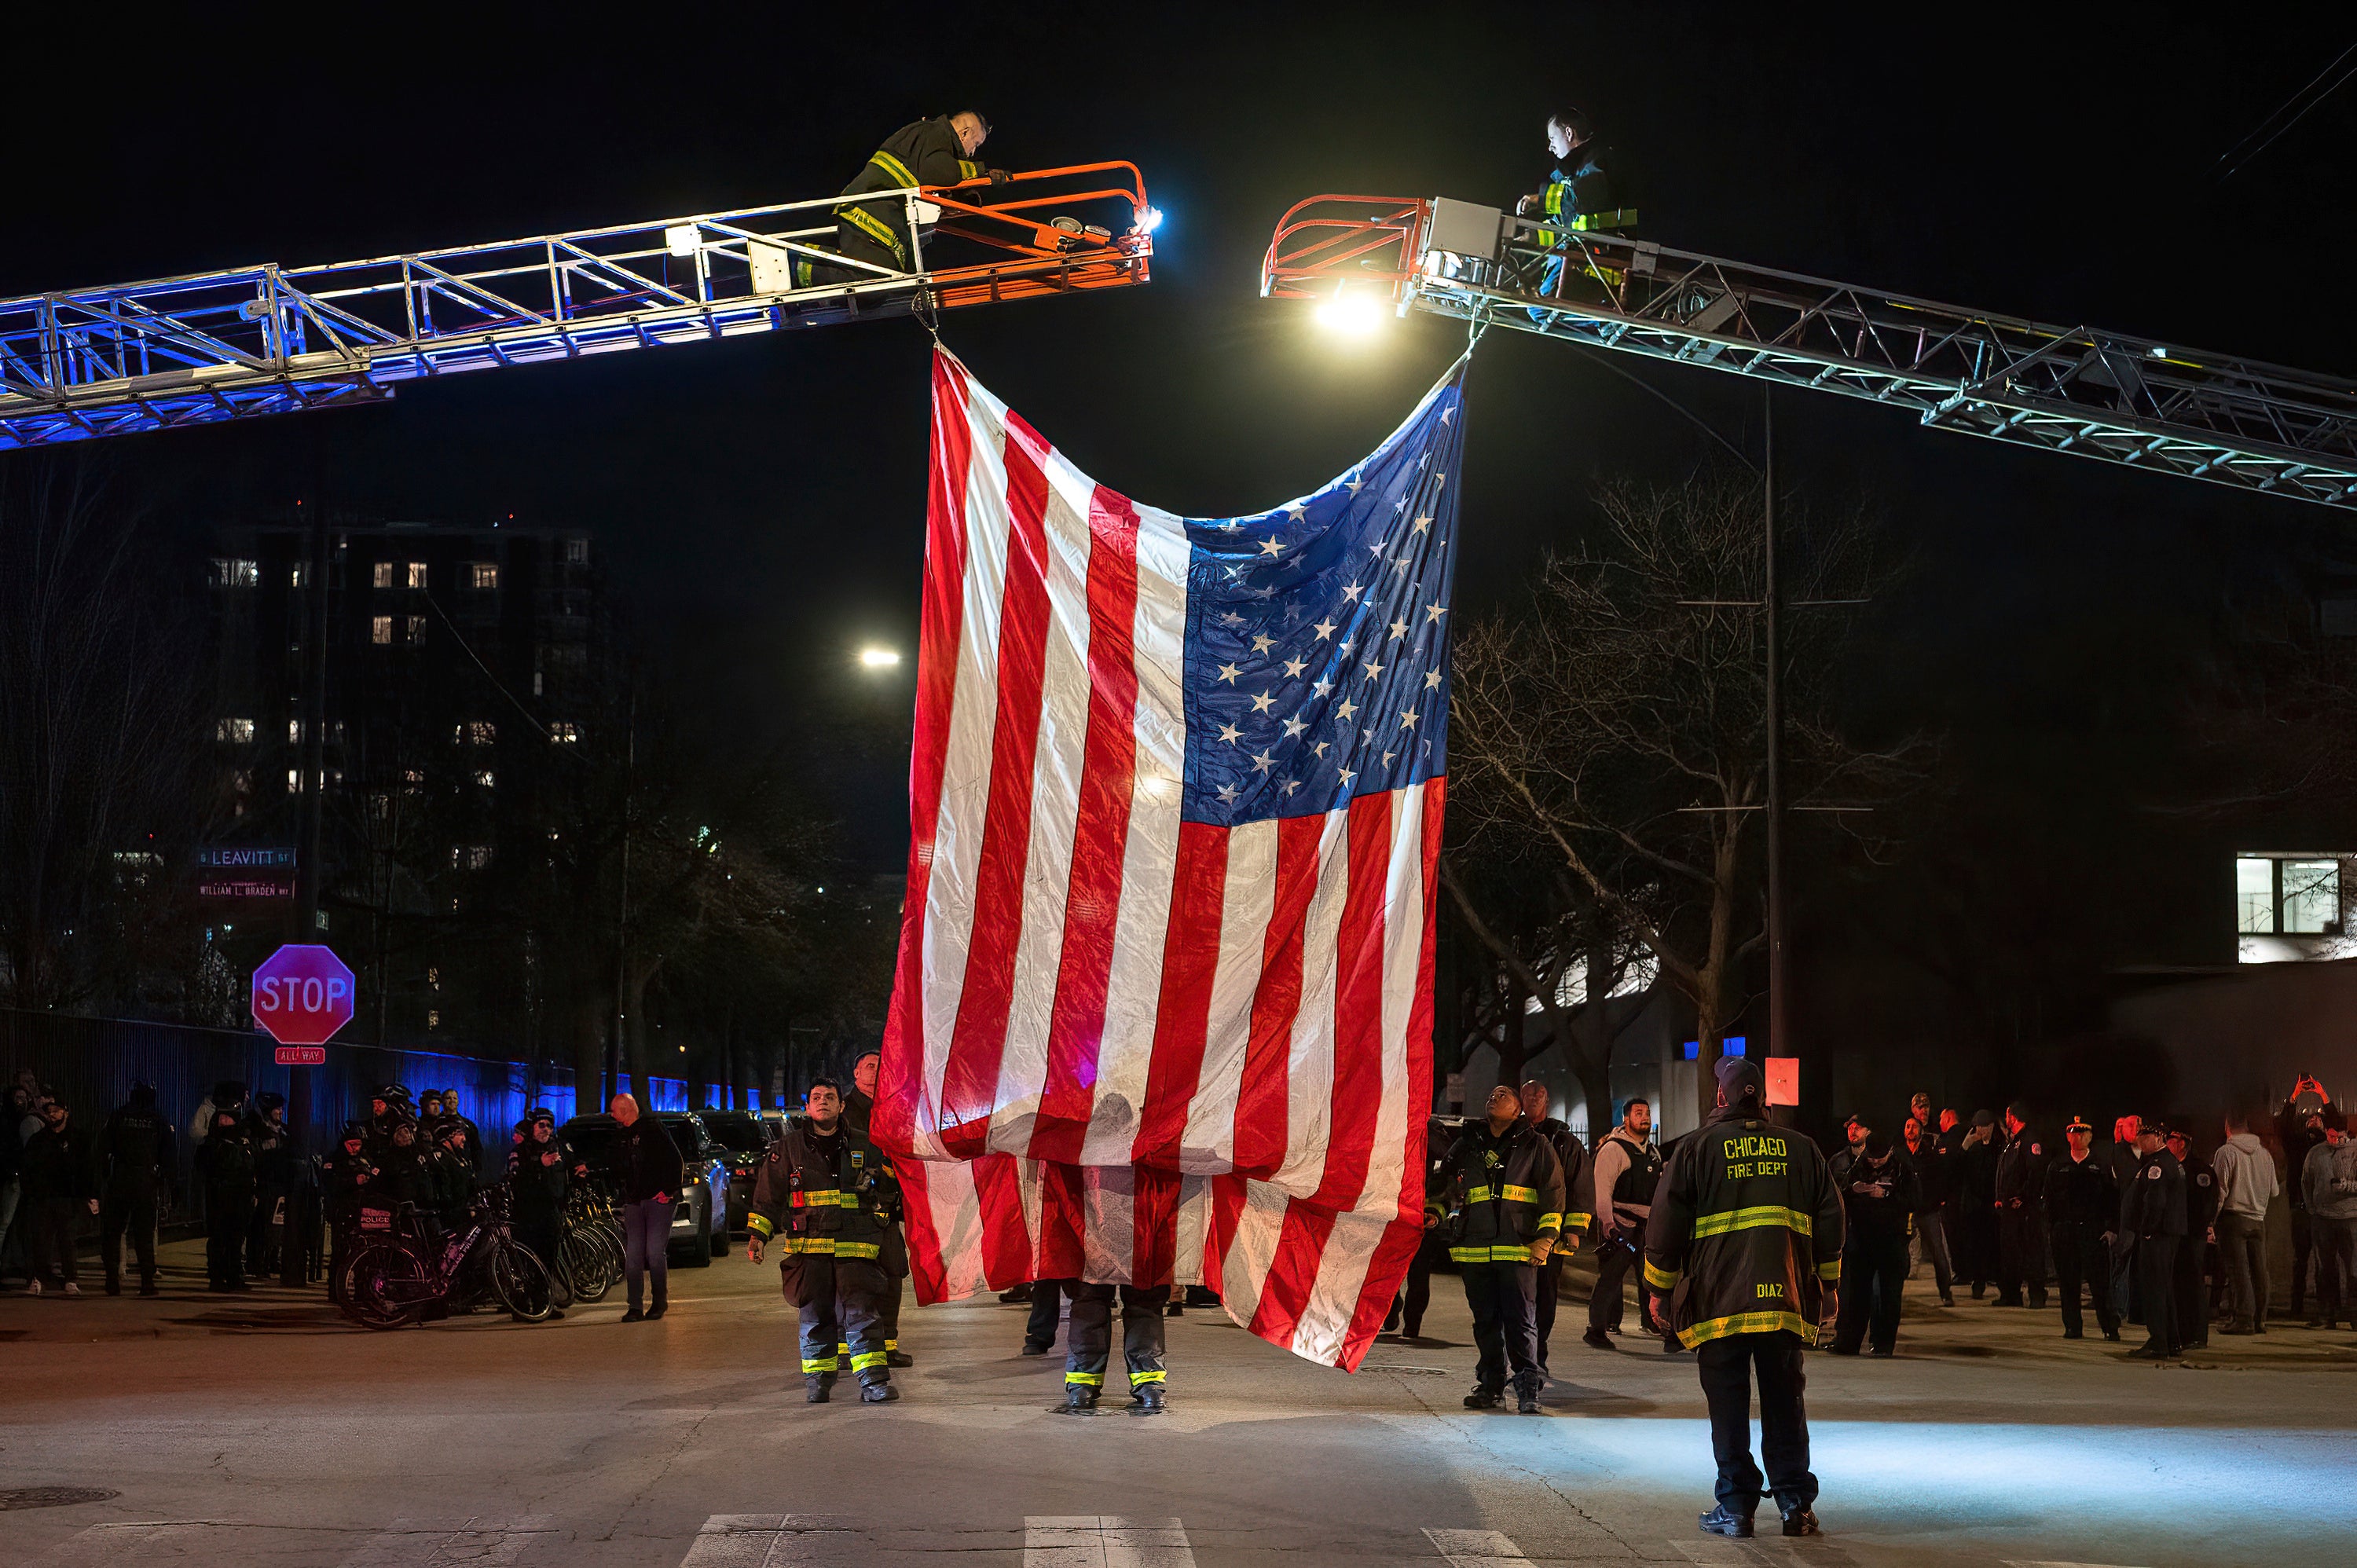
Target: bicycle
<point>590,1251</point>
<point>407,1273</point>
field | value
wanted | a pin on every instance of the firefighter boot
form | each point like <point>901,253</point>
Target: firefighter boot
<point>820,1387</point>
<point>1080,1399</point>
<point>880,1392</point>
<point>1148,1398</point>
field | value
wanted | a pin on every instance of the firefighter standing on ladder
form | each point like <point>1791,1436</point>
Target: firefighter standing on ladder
<point>1581,195</point>
<point>929,151</point>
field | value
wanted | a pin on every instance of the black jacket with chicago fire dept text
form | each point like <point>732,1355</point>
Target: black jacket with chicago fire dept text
<point>829,1194</point>
<point>1746,1230</point>
<point>1497,1193</point>
<point>926,153</point>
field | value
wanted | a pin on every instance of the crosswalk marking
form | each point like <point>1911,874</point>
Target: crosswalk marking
<point>1089,1541</point>
<point>472,1544</point>
<point>131,1540</point>
<point>1477,1549</point>
<point>760,1539</point>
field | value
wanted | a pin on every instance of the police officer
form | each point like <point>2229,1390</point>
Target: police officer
<point>1579,1198</point>
<point>537,1183</point>
<point>1879,1191</point>
<point>388,1106</point>
<point>344,1177</point>
<point>929,151</point>
<point>1500,1195</point>
<point>1743,1248</point>
<point>829,1196</point>
<point>2019,1194</point>
<point>450,1166</point>
<point>858,1106</point>
<point>2190,1300</point>
<point>227,1166</point>
<point>135,1158</point>
<point>274,1176</point>
<point>2152,1215</point>
<point>2082,1214</point>
<point>1626,1170</point>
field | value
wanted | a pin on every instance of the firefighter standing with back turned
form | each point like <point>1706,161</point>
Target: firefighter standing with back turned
<point>828,1195</point>
<point>1500,1194</point>
<point>1745,1242</point>
<point>929,151</point>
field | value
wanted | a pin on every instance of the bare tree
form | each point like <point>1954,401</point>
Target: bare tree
<point>1617,727</point>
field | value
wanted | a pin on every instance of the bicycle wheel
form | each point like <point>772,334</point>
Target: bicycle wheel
<point>583,1262</point>
<point>521,1282</point>
<point>387,1286</point>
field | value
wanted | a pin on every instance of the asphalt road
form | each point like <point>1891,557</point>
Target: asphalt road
<point>259,1430</point>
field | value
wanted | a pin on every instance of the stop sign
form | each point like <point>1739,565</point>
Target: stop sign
<point>302,995</point>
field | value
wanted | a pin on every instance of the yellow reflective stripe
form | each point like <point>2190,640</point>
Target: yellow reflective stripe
<point>891,1344</point>
<point>1489,1255</point>
<point>1550,1221</point>
<point>1661,1279</point>
<point>875,227</point>
<point>1619,217</point>
<point>1752,1219</point>
<point>1579,1221</point>
<point>866,1360</point>
<point>1479,1194</point>
<point>759,1225</point>
<point>1554,203</point>
<point>1522,1194</point>
<point>822,1197</point>
<point>824,1364</point>
<point>1092,1380</point>
<point>1829,1270</point>
<point>969,169</point>
<point>857,1249</point>
<point>1139,1380</point>
<point>1744,1323</point>
<point>821,1246</point>
<point>893,166</point>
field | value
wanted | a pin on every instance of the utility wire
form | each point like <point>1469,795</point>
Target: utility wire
<point>465,648</point>
<point>2335,86</point>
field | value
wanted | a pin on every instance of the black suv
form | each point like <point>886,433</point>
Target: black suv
<point>699,1220</point>
<point>745,1137</point>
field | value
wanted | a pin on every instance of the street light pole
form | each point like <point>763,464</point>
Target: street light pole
<point>307,870</point>
<point>1779,994</point>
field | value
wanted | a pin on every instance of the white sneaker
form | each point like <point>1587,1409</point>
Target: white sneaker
<point>73,1289</point>
<point>33,1287</point>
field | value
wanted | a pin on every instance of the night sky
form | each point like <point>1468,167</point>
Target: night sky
<point>764,499</point>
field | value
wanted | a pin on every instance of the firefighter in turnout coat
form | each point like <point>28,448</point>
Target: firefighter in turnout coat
<point>1499,1195</point>
<point>1745,1242</point>
<point>827,1198</point>
<point>928,153</point>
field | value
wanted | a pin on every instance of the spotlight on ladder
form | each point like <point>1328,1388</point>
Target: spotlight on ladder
<point>1351,315</point>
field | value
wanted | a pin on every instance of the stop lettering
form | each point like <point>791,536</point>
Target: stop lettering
<point>302,995</point>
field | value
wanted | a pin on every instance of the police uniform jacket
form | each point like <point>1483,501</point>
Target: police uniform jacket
<point>1880,1205</point>
<point>136,1145</point>
<point>2022,1171</point>
<point>2154,1204</point>
<point>2201,1199</point>
<point>1497,1193</point>
<point>536,1178</point>
<point>2081,1192</point>
<point>926,153</point>
<point>829,1195</point>
<point>1746,1230</point>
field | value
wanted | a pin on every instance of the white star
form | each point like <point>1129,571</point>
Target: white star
<point>1230,527</point>
<point>1347,775</point>
<point>1262,644</point>
<point>1229,673</point>
<point>1294,667</point>
<point>1227,793</point>
<point>1370,734</point>
<point>1296,511</point>
<point>1377,547</point>
<point>1323,688</point>
<point>1293,727</point>
<point>1347,708</point>
<point>1291,785</point>
<point>1353,590</point>
<point>1422,524</point>
<point>1423,461</point>
<point>1271,547</point>
<point>1441,478</point>
<point>1447,413</point>
<point>1232,619</point>
<point>1235,574</point>
<point>1341,647</point>
<point>1262,703</point>
<point>1399,630</point>
<point>1354,486</point>
<point>1373,670</point>
<point>1400,505</point>
<point>1230,734</point>
<point>1400,566</point>
<point>1324,629</point>
<point>1408,718</point>
<point>1433,612</point>
<point>1262,762</point>
<point>1387,758</point>
<point>1320,748</point>
<point>1432,680</point>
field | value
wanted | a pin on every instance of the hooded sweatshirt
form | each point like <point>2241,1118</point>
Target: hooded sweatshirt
<point>2326,1200</point>
<point>2246,1176</point>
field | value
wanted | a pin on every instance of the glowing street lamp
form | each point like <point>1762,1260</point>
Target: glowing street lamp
<point>878,658</point>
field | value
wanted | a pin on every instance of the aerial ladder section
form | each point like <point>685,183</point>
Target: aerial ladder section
<point>248,341</point>
<point>2080,390</point>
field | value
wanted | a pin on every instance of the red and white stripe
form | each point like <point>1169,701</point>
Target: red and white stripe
<point>1123,1046</point>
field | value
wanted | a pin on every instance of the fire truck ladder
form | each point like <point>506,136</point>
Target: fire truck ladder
<point>2065,388</point>
<point>270,340</point>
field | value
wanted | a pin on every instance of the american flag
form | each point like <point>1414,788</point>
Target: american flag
<point>1163,1009</point>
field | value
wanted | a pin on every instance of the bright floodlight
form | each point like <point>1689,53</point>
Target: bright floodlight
<point>1149,219</point>
<point>878,658</point>
<point>1351,315</point>
<point>681,239</point>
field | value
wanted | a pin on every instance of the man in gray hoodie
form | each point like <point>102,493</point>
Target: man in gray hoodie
<point>2247,1182</point>
<point>2328,1176</point>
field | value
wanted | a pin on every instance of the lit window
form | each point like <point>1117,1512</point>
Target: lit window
<point>476,731</point>
<point>228,571</point>
<point>413,781</point>
<point>576,553</point>
<point>433,977</point>
<point>564,731</point>
<point>2254,897</point>
<point>294,732</point>
<point>470,856</point>
<point>417,573</point>
<point>433,1018</point>
<point>483,574</point>
<point>294,781</point>
<point>237,731</point>
<point>483,778</point>
<point>2311,896</point>
<point>416,630</point>
<point>241,781</point>
<point>298,574</point>
<point>381,631</point>
<point>381,575</point>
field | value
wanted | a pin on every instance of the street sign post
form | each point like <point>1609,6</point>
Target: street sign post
<point>302,995</point>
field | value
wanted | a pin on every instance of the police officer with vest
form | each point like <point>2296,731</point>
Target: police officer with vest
<point>2190,1302</point>
<point>1744,1247</point>
<point>1500,1195</point>
<point>136,1159</point>
<point>2021,1200</point>
<point>2082,1214</point>
<point>828,1196</point>
<point>929,151</point>
<point>1626,1169</point>
<point>2152,1216</point>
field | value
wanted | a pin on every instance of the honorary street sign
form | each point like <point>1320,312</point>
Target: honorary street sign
<point>302,995</point>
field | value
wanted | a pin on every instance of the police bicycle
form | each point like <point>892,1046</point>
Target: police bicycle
<point>406,1271</point>
<point>590,1249</point>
